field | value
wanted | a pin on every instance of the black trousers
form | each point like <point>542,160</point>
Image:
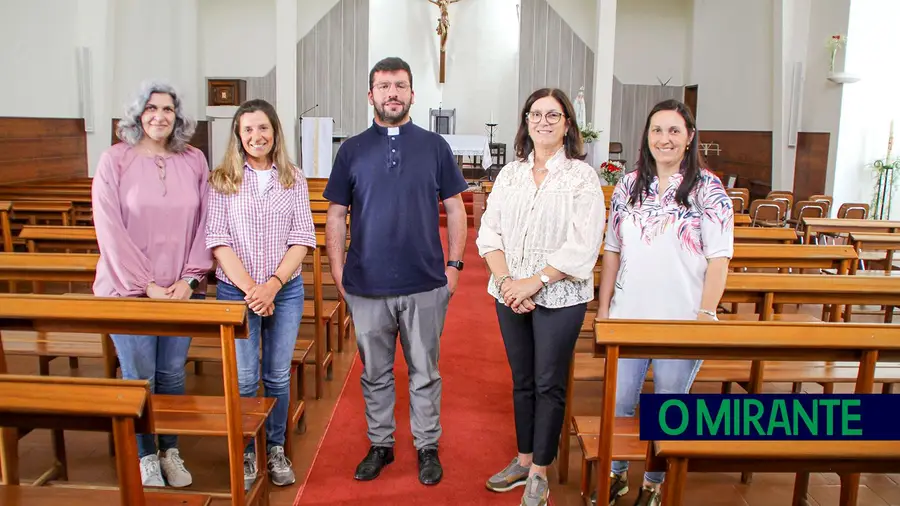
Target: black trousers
<point>539,347</point>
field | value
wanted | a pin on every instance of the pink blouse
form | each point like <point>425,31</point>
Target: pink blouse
<point>149,228</point>
<point>261,226</point>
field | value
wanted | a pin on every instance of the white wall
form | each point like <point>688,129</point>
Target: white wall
<point>38,59</point>
<point>309,12</point>
<point>822,98</point>
<point>732,64</point>
<point>652,41</point>
<point>150,45</point>
<point>869,105</point>
<point>238,37</point>
<point>482,54</point>
<point>581,16</point>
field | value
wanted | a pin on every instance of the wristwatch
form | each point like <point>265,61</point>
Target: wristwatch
<point>455,263</point>
<point>192,282</point>
<point>545,279</point>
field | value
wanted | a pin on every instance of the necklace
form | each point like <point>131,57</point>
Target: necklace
<point>542,169</point>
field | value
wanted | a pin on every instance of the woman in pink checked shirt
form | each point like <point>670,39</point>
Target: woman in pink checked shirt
<point>259,228</point>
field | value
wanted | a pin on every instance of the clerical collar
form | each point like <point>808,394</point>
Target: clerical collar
<point>404,128</point>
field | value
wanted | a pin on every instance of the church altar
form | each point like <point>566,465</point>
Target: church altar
<point>471,145</point>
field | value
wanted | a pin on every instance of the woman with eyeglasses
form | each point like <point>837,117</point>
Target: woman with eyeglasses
<point>540,236</point>
<point>149,207</point>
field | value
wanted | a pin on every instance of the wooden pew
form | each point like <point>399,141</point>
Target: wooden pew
<point>889,243</point>
<point>865,343</point>
<point>80,238</point>
<point>230,416</point>
<point>816,226</point>
<point>47,346</point>
<point>766,291</point>
<point>120,407</point>
<point>742,220</point>
<point>44,237</point>
<point>793,256</point>
<point>762,235</point>
<point>5,227</point>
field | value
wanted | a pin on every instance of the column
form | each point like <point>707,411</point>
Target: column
<point>604,59</point>
<point>190,84</point>
<point>791,35</point>
<point>286,74</point>
<point>95,32</point>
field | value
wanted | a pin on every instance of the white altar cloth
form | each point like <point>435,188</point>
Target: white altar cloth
<point>471,145</point>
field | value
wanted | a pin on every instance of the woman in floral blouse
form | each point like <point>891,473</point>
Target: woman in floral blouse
<point>668,243</point>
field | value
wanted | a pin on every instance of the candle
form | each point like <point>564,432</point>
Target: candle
<point>492,117</point>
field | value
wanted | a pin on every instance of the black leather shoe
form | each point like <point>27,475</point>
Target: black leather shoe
<point>376,459</point>
<point>430,470</point>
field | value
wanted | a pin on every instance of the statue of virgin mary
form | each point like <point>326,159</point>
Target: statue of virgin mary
<point>579,108</point>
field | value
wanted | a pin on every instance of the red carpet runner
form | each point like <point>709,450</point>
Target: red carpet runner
<point>476,416</point>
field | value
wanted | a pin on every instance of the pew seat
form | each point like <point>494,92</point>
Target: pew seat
<point>842,457</point>
<point>51,496</point>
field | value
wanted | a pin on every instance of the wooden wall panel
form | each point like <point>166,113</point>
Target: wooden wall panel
<point>333,67</point>
<point>745,154</point>
<point>811,164</point>
<point>551,54</point>
<point>42,148</point>
<point>200,140</point>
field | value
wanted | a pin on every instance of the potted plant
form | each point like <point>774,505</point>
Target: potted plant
<point>588,134</point>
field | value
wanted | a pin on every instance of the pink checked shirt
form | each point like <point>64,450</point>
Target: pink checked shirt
<point>260,227</point>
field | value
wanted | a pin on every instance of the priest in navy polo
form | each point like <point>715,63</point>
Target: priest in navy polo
<point>395,278</point>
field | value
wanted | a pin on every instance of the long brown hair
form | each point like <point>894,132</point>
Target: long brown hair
<point>227,176</point>
<point>572,141</point>
<point>691,165</point>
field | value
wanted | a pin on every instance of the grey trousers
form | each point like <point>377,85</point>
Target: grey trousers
<point>419,319</point>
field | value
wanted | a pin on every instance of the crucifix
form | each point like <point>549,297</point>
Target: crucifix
<point>442,28</point>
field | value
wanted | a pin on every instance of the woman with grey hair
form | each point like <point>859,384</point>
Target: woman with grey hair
<point>149,203</point>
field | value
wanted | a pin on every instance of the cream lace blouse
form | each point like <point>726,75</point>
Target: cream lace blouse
<point>559,224</point>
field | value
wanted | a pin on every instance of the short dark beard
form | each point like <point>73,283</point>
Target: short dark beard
<point>400,118</point>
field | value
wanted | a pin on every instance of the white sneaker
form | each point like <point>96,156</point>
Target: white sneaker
<point>250,470</point>
<point>173,469</point>
<point>280,467</point>
<point>150,473</point>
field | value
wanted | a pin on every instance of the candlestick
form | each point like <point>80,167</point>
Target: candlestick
<point>890,143</point>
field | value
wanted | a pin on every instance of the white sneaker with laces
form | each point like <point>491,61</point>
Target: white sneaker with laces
<point>250,470</point>
<point>150,473</point>
<point>173,469</point>
<point>280,467</point>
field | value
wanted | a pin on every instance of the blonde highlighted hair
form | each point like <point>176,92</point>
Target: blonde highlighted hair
<point>227,176</point>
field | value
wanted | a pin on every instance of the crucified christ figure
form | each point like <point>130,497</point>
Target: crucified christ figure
<point>444,21</point>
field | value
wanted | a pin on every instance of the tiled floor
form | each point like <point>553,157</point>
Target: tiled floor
<point>206,457</point>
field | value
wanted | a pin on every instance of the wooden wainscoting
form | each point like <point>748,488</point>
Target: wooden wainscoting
<point>42,148</point>
<point>200,140</point>
<point>811,164</point>
<point>746,154</point>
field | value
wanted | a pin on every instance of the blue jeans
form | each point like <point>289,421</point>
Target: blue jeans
<point>159,359</point>
<point>670,376</point>
<point>279,335</point>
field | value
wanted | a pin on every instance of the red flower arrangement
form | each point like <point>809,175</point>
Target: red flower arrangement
<point>612,171</point>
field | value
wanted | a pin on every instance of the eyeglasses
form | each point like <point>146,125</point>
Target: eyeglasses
<point>402,87</point>
<point>161,171</point>
<point>553,117</point>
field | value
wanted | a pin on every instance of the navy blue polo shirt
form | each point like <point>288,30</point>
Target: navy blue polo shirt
<point>392,179</point>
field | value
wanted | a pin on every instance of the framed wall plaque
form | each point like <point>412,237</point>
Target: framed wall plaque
<point>226,91</point>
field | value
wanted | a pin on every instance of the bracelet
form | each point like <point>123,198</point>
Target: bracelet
<point>279,279</point>
<point>499,282</point>
<point>709,313</point>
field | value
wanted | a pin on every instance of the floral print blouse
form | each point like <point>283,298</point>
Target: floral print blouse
<point>664,247</point>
